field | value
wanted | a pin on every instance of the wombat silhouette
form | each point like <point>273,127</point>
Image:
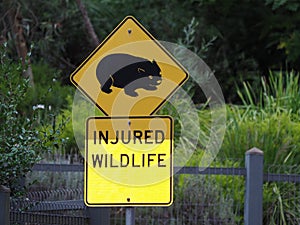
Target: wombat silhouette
<point>128,72</point>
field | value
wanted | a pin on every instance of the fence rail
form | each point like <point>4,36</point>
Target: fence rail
<point>291,178</point>
<point>268,177</point>
<point>41,218</point>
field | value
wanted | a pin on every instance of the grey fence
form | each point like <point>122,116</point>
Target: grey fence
<point>198,201</point>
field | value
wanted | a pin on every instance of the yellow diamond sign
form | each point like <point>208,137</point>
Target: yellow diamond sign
<point>129,161</point>
<point>129,73</point>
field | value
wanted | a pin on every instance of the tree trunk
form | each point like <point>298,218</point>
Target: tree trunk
<point>15,21</point>
<point>88,25</point>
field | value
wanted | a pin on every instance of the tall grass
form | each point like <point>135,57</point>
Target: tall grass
<point>279,93</point>
<point>269,119</point>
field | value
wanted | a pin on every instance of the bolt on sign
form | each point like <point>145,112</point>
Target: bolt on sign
<point>128,156</point>
<point>128,71</point>
<point>129,161</point>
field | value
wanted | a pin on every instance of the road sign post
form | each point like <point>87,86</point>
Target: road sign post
<point>130,212</point>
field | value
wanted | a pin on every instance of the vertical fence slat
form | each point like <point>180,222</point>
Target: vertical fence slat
<point>254,187</point>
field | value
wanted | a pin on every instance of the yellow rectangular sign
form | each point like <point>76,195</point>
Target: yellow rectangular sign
<point>129,161</point>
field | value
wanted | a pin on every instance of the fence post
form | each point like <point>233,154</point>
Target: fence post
<point>99,215</point>
<point>253,209</point>
<point>4,205</point>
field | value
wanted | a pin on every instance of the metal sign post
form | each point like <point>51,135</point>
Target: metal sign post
<point>130,211</point>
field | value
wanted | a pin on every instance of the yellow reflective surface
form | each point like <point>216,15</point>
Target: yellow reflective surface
<point>129,161</point>
<point>140,43</point>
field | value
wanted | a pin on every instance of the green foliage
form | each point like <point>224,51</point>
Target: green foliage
<point>281,205</point>
<point>194,67</point>
<point>286,31</point>
<point>46,101</point>
<point>73,119</point>
<point>17,141</point>
<point>188,41</point>
<point>290,5</point>
<point>47,92</point>
<point>268,120</point>
<point>248,37</point>
<point>70,145</point>
<point>277,135</point>
<point>290,44</point>
<point>278,93</point>
<point>238,39</point>
<point>191,130</point>
<point>21,141</point>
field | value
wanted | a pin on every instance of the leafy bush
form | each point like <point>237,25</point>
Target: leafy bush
<point>20,141</point>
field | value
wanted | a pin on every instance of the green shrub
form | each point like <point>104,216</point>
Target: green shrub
<point>21,143</point>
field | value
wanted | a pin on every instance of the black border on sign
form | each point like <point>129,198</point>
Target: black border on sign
<point>105,40</point>
<point>128,204</point>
